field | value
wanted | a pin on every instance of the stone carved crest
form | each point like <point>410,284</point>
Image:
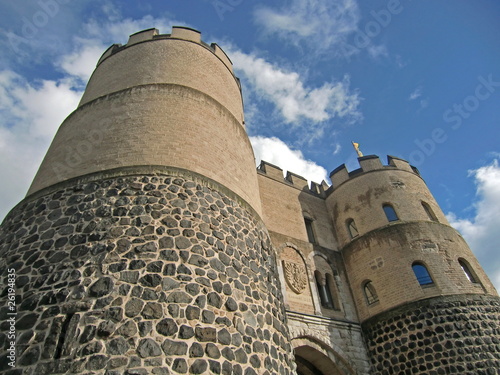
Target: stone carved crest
<point>295,275</point>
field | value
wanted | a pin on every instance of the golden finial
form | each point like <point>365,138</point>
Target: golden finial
<point>356,147</point>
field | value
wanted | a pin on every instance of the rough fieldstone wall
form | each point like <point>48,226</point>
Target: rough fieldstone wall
<point>447,335</point>
<point>143,275</point>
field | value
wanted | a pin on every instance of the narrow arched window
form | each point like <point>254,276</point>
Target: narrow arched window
<point>390,213</point>
<point>422,275</point>
<point>351,228</point>
<point>370,293</point>
<point>309,230</point>
<point>468,271</point>
<point>429,212</point>
<point>332,291</point>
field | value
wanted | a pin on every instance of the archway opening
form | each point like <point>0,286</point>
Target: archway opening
<point>310,361</point>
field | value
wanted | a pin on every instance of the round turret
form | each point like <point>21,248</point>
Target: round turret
<point>408,268</point>
<point>140,247</point>
<point>160,100</point>
<point>397,243</point>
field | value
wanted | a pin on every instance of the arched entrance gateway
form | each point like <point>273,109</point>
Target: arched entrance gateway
<point>316,358</point>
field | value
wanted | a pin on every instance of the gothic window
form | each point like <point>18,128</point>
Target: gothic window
<point>429,212</point>
<point>351,228</point>
<point>390,213</point>
<point>324,290</point>
<point>468,271</point>
<point>422,275</point>
<point>332,291</point>
<point>370,293</point>
<point>309,229</point>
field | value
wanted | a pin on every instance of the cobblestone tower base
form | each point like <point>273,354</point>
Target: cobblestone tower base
<point>444,335</point>
<point>142,271</point>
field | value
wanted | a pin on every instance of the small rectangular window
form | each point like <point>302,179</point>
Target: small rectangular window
<point>309,229</point>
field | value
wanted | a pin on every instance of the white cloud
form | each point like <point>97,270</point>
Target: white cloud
<point>318,23</point>
<point>481,232</point>
<point>82,61</point>
<point>416,93</point>
<point>338,148</point>
<point>288,92</point>
<point>277,152</point>
<point>377,51</point>
<point>29,117</point>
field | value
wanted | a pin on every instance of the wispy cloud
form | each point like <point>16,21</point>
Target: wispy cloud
<point>318,23</point>
<point>30,115</point>
<point>277,152</point>
<point>292,97</point>
<point>417,93</point>
<point>481,232</point>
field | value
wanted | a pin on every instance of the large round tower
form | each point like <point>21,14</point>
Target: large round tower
<point>424,302</point>
<point>140,248</point>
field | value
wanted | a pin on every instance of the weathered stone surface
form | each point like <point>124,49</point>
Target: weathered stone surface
<point>167,327</point>
<point>199,366</point>
<point>117,346</point>
<point>186,332</point>
<point>148,348</point>
<point>146,268</point>
<point>133,307</point>
<point>152,310</point>
<point>174,348</point>
<point>205,334</point>
<point>180,366</point>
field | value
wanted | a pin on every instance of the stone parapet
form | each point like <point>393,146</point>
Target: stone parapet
<point>367,164</point>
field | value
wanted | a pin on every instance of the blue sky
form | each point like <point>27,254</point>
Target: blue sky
<point>415,79</point>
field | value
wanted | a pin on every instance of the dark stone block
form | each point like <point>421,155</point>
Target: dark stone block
<point>167,327</point>
<point>214,299</point>
<point>173,348</point>
<point>199,366</point>
<point>148,348</point>
<point>182,243</point>
<point>192,312</point>
<point>196,350</point>
<point>101,287</point>
<point>27,321</point>
<point>96,362</point>
<point>152,310</point>
<point>150,280</point>
<point>179,297</point>
<point>231,304</point>
<point>186,332</point>
<point>180,366</point>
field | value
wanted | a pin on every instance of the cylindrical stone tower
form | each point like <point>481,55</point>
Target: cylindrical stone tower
<point>140,248</point>
<point>425,304</point>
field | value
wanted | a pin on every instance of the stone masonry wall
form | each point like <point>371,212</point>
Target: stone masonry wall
<point>162,274</point>
<point>445,335</point>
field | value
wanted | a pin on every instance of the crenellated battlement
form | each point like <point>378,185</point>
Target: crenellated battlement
<point>292,179</point>
<point>369,163</point>
<point>178,32</point>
